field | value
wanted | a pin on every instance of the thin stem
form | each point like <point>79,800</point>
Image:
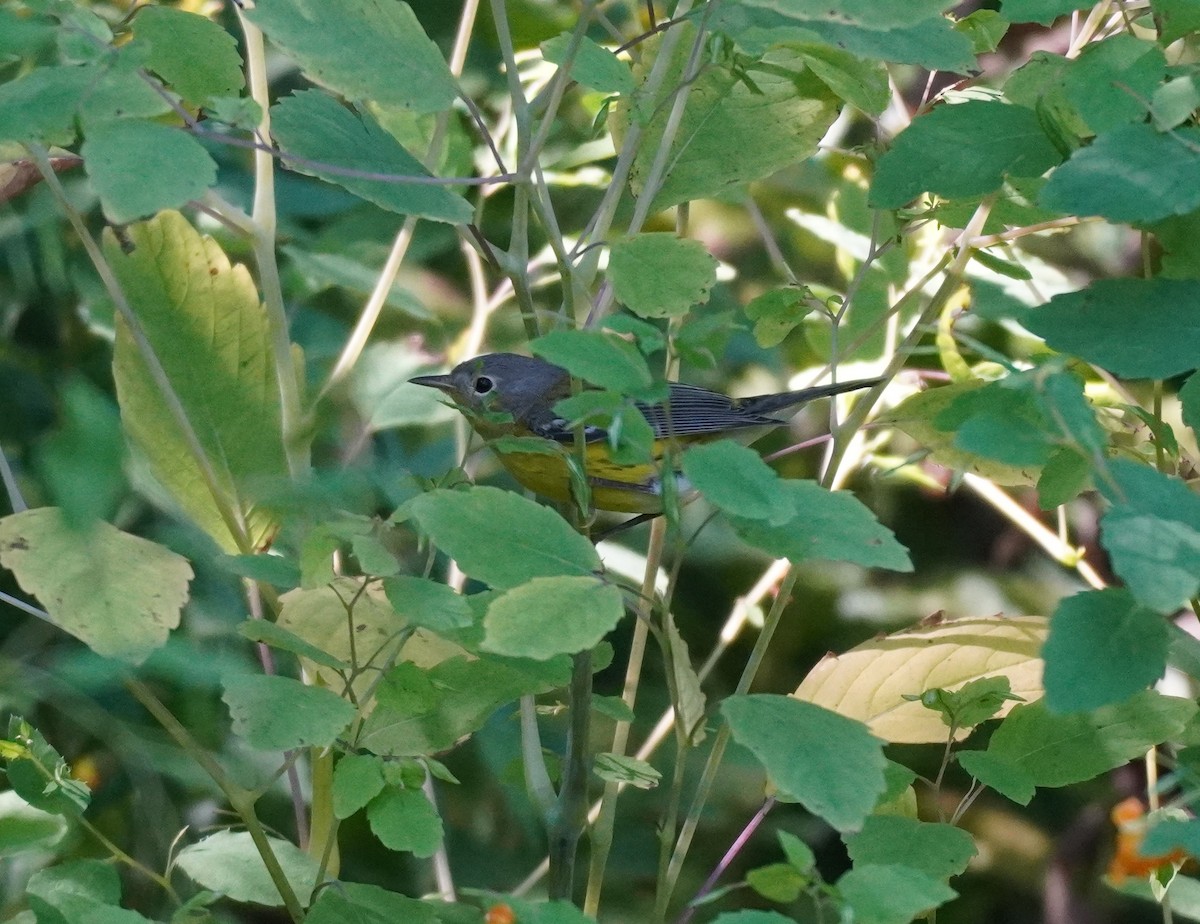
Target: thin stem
<point>241,800</point>
<point>730,855</point>
<point>537,778</point>
<point>16,500</point>
<point>570,814</point>
<point>606,812</point>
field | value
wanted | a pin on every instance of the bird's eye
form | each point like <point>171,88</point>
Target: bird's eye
<point>483,385</point>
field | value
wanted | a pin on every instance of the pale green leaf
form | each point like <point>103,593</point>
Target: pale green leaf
<point>363,49</point>
<point>117,593</point>
<point>404,820</point>
<point>278,713</point>
<point>195,56</point>
<point>660,275</point>
<point>229,863</point>
<point>552,615</point>
<point>132,185</point>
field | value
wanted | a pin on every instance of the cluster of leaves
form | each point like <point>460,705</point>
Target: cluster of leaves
<point>227,387</point>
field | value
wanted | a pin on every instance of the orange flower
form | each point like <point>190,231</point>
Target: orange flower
<point>1128,862</point>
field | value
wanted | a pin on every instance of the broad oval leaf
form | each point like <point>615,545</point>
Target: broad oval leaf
<point>229,863</point>
<point>869,682</point>
<point>119,594</point>
<point>550,616</point>
<point>826,762</point>
<point>502,538</point>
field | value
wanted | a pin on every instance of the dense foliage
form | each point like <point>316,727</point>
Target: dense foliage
<point>279,633</point>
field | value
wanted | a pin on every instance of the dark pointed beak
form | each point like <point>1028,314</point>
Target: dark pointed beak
<point>440,382</point>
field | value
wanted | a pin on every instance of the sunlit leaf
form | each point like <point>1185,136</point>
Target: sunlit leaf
<point>869,682</point>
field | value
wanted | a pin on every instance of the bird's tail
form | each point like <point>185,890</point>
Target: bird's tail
<point>767,404</point>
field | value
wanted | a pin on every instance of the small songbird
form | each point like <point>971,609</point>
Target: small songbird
<point>506,395</point>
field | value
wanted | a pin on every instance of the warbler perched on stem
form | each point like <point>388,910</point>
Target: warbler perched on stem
<point>510,400</point>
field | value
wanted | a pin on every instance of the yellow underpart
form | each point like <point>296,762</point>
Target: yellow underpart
<point>548,474</point>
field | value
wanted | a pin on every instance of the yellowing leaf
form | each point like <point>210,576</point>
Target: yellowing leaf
<point>319,617</point>
<point>202,317</point>
<point>869,682</point>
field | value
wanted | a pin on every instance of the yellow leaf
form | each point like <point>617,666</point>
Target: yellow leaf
<point>869,682</point>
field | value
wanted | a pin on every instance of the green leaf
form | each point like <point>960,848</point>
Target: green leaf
<point>83,890</point>
<point>732,131</point>
<point>918,415</point>
<point>691,705</point>
<point>1111,81</point>
<point>1176,18</point>
<point>550,616</point>
<point>593,66</point>
<point>82,462</point>
<point>1131,173</point>
<point>938,850</point>
<point>320,133</point>
<point>1170,834</point>
<point>1057,750</point>
<point>192,54</point>
<point>660,275</point>
<point>1152,534</point>
<point>960,151</point>
<point>426,603</point>
<point>131,185</point>
<point>618,768</point>
<point>603,359</point>
<point>1006,777</point>
<point>24,828</point>
<point>777,313</point>
<point>1136,328</point>
<point>425,711</point>
<point>1042,12</point>
<point>777,882</point>
<point>929,41</point>
<point>1064,477</point>
<point>270,569</point>
<point>278,713</point>
<point>891,894</point>
<point>41,105</point>
<point>1174,102</point>
<point>1103,647</point>
<point>862,84</point>
<point>985,29</point>
<point>735,479</point>
<point>1002,420</point>
<point>229,863</point>
<point>798,853</point>
<point>830,764</point>
<point>203,319</point>
<point>501,538</point>
<point>359,903</point>
<point>829,525</point>
<point>971,704</point>
<point>118,594</point>
<point>404,820</point>
<point>361,49</point>
<point>40,775</point>
<point>752,917</point>
<point>357,779</point>
<point>275,635</point>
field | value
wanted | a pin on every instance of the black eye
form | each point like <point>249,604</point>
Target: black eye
<point>483,385</point>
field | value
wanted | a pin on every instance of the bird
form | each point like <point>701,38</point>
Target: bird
<point>510,395</point>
